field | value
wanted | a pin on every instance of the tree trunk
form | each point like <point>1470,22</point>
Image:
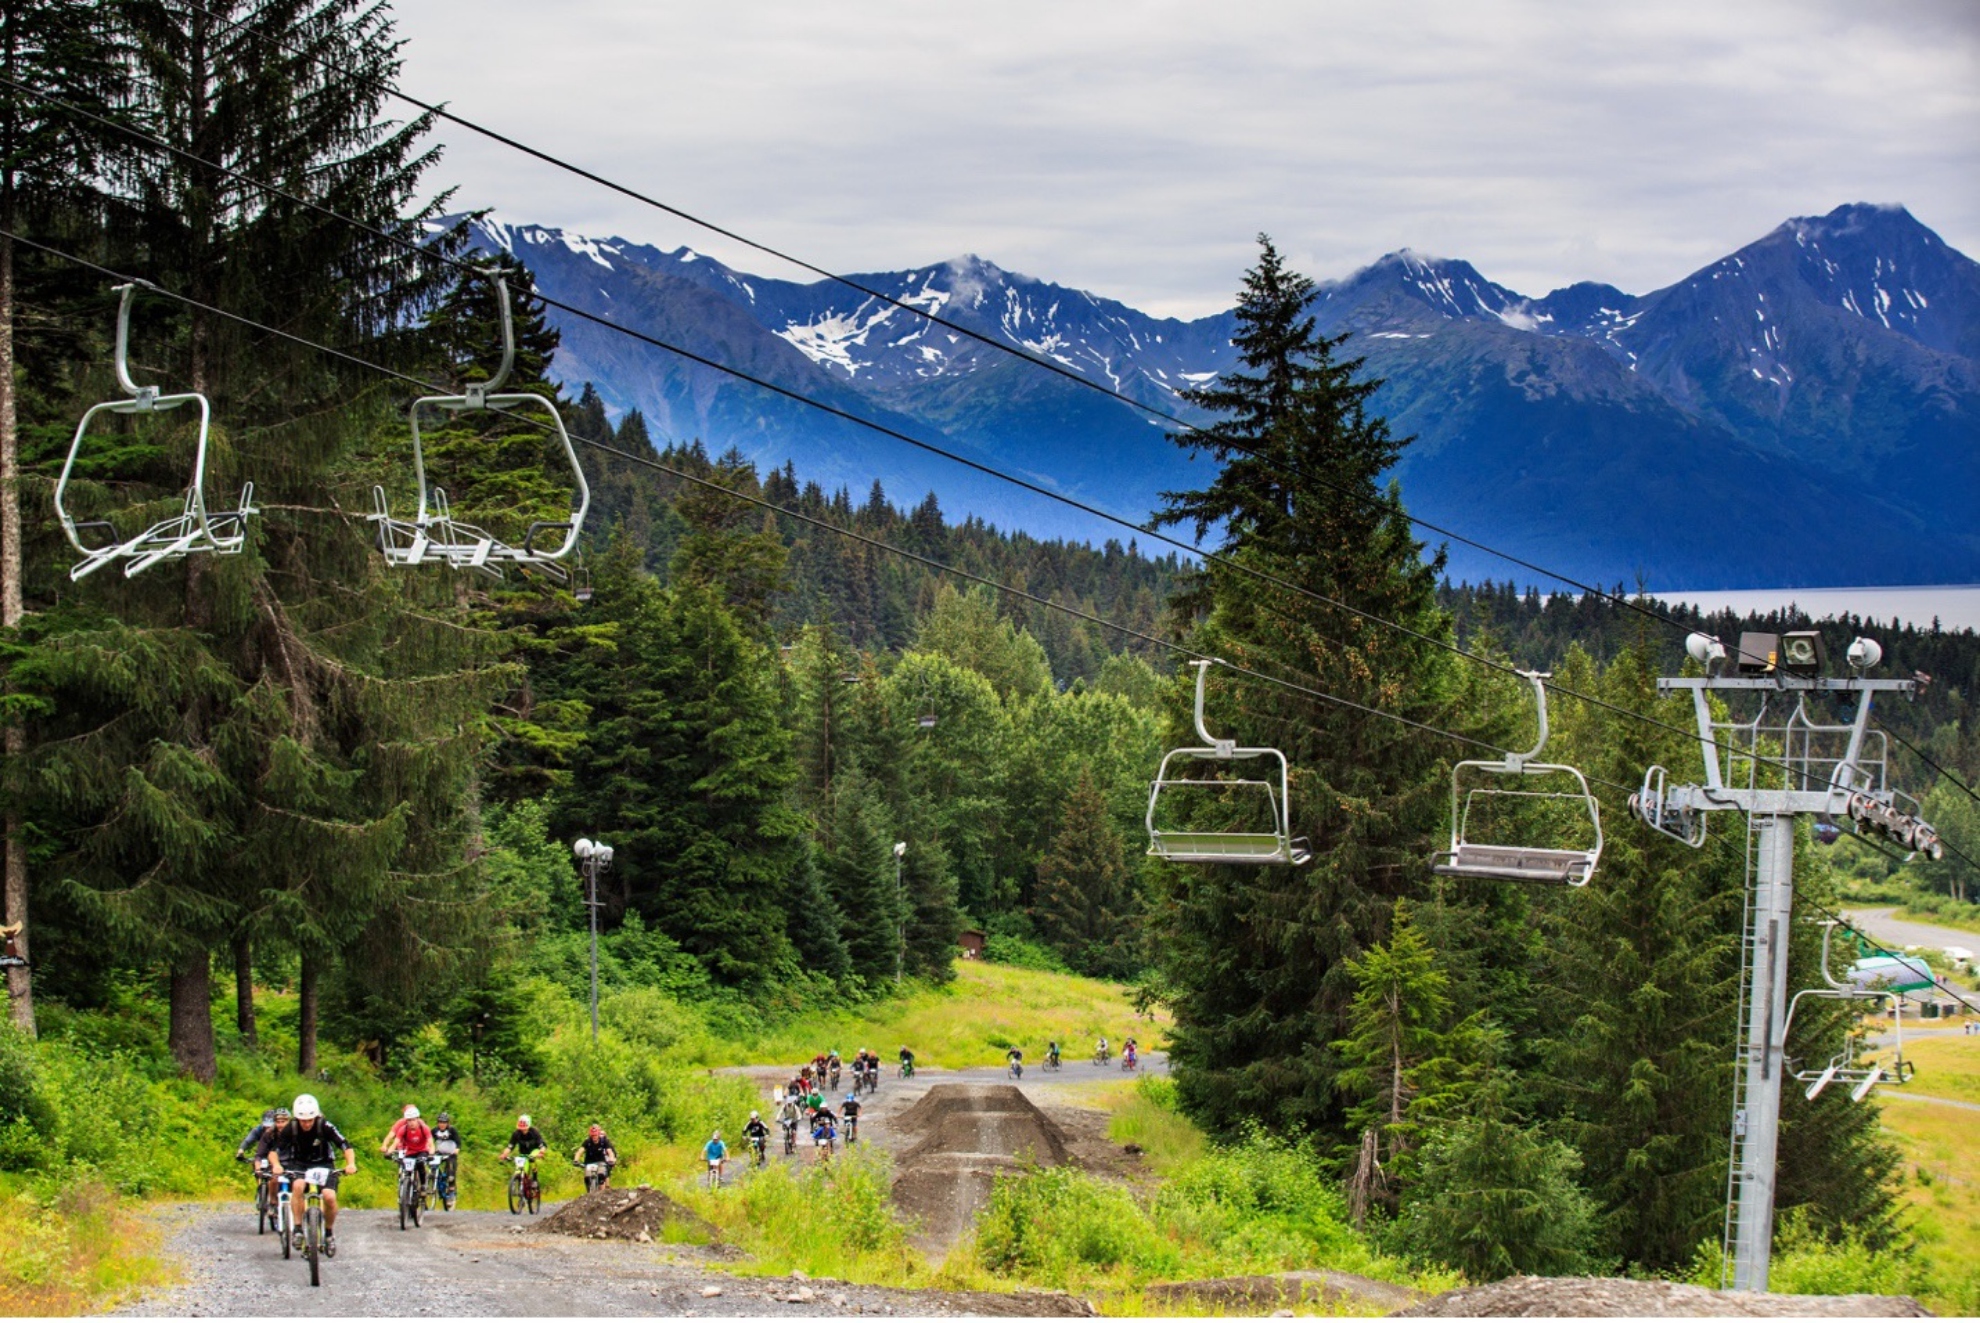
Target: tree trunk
<point>14,892</point>
<point>190,1036</point>
<point>244,988</point>
<point>306,1017</point>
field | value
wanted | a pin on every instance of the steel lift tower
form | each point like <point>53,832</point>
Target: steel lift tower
<point>1774,765</point>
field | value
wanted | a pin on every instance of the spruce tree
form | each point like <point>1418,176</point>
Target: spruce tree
<point>1081,905</point>
<point>1253,956</point>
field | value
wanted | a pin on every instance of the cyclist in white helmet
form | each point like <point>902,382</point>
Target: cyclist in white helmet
<point>310,1141</point>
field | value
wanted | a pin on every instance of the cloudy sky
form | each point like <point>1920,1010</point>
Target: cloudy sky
<point>1134,147</point>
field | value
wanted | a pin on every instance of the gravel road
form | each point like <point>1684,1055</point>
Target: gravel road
<point>1903,932</point>
<point>486,1265</point>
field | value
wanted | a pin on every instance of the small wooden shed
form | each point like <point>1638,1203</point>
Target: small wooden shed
<point>972,943</point>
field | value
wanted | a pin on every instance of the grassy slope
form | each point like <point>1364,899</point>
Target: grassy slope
<point>1942,1159</point>
<point>970,1022</point>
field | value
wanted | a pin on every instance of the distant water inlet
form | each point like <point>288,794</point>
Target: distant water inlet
<point>1954,606</point>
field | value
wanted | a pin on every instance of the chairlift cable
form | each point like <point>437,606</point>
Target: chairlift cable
<point>603,181</point>
<point>1925,758</point>
<point>1881,949</point>
<point>1211,557</point>
<point>876,543</point>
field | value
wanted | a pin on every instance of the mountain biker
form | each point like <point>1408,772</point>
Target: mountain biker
<point>824,1129</point>
<point>597,1147</point>
<point>850,1111</point>
<point>310,1141</point>
<point>1014,1061</point>
<point>1130,1054</point>
<point>833,1066</point>
<point>257,1130</point>
<point>1101,1050</point>
<point>758,1134</point>
<point>717,1154</point>
<point>814,1100</point>
<point>907,1062</point>
<point>409,1137</point>
<point>525,1140</point>
<point>789,1116</point>
<point>1052,1053</point>
<point>447,1147</point>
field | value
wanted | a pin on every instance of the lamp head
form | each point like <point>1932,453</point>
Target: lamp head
<point>583,848</point>
<point>1864,653</point>
<point>900,849</point>
<point>1705,650</point>
<point>1803,653</point>
<point>604,853</point>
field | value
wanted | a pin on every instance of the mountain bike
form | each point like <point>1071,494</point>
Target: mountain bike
<point>1052,1061</point>
<point>712,1179</point>
<point>852,1131</point>
<point>314,1247</point>
<point>907,1070</point>
<point>1015,1069</point>
<point>446,1174</point>
<point>1130,1061</point>
<point>596,1174</point>
<point>264,1199</point>
<point>283,1218</point>
<point>760,1145</point>
<point>412,1188</point>
<point>524,1191</point>
<point>790,1138</point>
<point>1101,1056</point>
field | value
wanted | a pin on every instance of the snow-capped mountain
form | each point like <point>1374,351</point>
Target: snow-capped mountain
<point>1805,411</point>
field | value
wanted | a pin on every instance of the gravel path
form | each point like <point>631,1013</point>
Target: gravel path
<point>487,1265</point>
<point>1904,932</point>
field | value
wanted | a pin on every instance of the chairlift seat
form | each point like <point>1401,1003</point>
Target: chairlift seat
<point>1214,847</point>
<point>1516,863</point>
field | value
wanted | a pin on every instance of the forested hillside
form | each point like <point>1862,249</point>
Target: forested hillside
<point>823,733</point>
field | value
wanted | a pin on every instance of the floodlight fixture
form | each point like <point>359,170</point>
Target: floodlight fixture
<point>1803,653</point>
<point>583,847</point>
<point>1864,654</point>
<point>1758,652</point>
<point>1705,650</point>
<point>900,849</point>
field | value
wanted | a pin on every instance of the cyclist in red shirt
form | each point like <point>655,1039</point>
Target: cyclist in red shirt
<point>409,1135</point>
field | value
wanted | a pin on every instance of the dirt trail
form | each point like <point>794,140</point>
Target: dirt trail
<point>959,1137</point>
<point>1615,1297</point>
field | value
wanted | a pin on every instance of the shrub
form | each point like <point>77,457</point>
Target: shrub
<point>27,1117</point>
<point>1495,1199</point>
<point>1008,950</point>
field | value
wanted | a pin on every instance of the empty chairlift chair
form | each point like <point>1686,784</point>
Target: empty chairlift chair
<point>195,530</point>
<point>433,536</point>
<point>1473,854</point>
<point>1269,799</point>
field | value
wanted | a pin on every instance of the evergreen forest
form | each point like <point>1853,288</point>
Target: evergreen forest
<point>298,812</point>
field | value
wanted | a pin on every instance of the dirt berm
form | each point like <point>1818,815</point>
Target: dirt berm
<point>954,1142</point>
<point>1615,1297</point>
<point>640,1214</point>
<point>1328,1291</point>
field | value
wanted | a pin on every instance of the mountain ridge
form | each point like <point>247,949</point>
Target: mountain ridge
<point>1804,410</point>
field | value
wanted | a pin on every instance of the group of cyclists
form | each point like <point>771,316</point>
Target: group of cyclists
<point>1102,1054</point>
<point>291,1140</point>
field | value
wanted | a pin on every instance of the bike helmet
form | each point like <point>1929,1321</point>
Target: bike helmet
<point>596,1131</point>
<point>281,1115</point>
<point>306,1108</point>
<point>522,1122</point>
<point>755,1116</point>
<point>411,1113</point>
<point>716,1135</point>
<point>444,1118</point>
<point>268,1116</point>
<point>852,1097</point>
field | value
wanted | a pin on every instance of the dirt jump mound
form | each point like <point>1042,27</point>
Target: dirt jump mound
<point>962,1136</point>
<point>1610,1297</point>
<point>641,1214</point>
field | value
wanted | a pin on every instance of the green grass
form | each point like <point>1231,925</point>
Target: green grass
<point>970,1022</point>
<point>74,1249</point>
<point>1942,1192</point>
<point>1951,915</point>
<point>1947,1067</point>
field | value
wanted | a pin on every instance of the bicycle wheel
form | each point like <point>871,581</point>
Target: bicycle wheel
<point>313,1243</point>
<point>260,1206</point>
<point>404,1196</point>
<point>515,1194</point>
<point>418,1204</point>
<point>534,1193</point>
<point>287,1226</point>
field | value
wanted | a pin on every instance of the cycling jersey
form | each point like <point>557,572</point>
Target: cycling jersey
<point>253,1139</point>
<point>715,1151</point>
<point>599,1149</point>
<point>300,1149</point>
<point>444,1135</point>
<point>757,1130</point>
<point>850,1110</point>
<point>527,1142</point>
<point>413,1137</point>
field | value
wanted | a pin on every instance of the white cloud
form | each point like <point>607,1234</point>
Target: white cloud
<point>1134,148</point>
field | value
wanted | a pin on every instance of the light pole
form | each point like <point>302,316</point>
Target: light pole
<point>593,856</point>
<point>900,910</point>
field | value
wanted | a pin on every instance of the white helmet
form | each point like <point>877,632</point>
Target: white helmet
<point>306,1108</point>
<point>412,1112</point>
<point>754,1117</point>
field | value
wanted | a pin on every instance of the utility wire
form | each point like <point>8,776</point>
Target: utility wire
<point>426,252</point>
<point>1211,557</point>
<point>876,543</point>
<point>548,158</point>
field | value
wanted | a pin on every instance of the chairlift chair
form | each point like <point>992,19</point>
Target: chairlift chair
<point>195,529</point>
<point>1514,861</point>
<point>1843,1068</point>
<point>433,535</point>
<point>1277,846</point>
